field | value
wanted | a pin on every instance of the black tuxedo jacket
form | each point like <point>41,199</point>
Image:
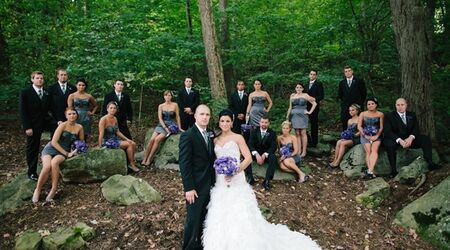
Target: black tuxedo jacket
<point>355,94</point>
<point>394,127</point>
<point>125,109</point>
<point>261,145</point>
<point>188,101</point>
<point>236,105</point>
<point>316,91</point>
<point>196,161</point>
<point>34,112</point>
<point>59,100</point>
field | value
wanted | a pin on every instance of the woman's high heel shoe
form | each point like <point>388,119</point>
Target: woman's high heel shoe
<point>133,169</point>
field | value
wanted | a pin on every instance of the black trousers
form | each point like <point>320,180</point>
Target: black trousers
<point>237,125</point>
<point>421,141</point>
<point>123,127</point>
<point>193,226</point>
<point>314,121</point>
<point>186,120</point>
<point>270,172</point>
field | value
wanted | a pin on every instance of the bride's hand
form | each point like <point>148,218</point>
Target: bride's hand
<point>228,178</point>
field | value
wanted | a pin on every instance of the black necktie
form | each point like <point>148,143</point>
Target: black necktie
<point>40,94</point>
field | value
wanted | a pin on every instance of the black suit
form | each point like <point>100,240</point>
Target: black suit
<point>266,144</point>
<point>315,91</point>
<point>238,106</point>
<point>125,112</point>
<point>196,166</point>
<point>59,100</point>
<point>356,93</point>
<point>185,100</point>
<point>394,128</point>
<point>35,114</point>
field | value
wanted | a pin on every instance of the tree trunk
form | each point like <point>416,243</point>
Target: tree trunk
<point>413,39</point>
<point>4,59</point>
<point>225,44</point>
<point>189,31</point>
<point>213,60</point>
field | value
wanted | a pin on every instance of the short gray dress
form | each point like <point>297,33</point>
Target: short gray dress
<point>110,132</point>
<point>257,110</point>
<point>169,118</point>
<point>374,121</point>
<point>298,117</point>
<point>65,141</point>
<point>297,158</point>
<point>354,128</point>
<point>82,107</point>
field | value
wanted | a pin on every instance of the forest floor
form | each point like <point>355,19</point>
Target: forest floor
<point>324,207</point>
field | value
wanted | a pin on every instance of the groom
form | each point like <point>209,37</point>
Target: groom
<point>196,165</point>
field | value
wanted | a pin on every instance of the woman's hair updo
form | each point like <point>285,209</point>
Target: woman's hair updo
<point>226,112</point>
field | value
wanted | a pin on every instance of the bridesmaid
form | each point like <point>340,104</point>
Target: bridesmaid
<point>168,114</point>
<point>108,128</point>
<point>342,144</point>
<point>298,113</point>
<point>371,117</point>
<point>289,164</point>
<point>256,107</point>
<point>56,151</point>
<point>85,105</point>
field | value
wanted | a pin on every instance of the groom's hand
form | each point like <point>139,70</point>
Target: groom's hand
<point>190,196</point>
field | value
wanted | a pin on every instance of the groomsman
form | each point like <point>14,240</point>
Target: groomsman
<point>237,103</point>
<point>401,130</point>
<point>59,92</point>
<point>188,100</point>
<point>125,113</point>
<point>196,158</point>
<point>34,105</point>
<point>263,144</point>
<point>315,89</point>
<point>351,90</point>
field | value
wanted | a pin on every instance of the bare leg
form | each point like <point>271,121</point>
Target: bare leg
<point>145,160</point>
<point>367,149</point>
<point>158,139</point>
<point>290,163</point>
<point>304,137</point>
<point>56,161</point>
<point>298,135</point>
<point>130,148</point>
<point>43,176</point>
<point>284,168</point>
<point>343,147</point>
<point>373,155</point>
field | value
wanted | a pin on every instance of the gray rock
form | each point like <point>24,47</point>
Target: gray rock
<point>29,240</point>
<point>95,165</point>
<point>429,215</point>
<point>279,175</point>
<point>354,160</point>
<point>330,138</point>
<point>266,212</point>
<point>319,150</point>
<point>86,232</point>
<point>16,193</point>
<point>409,174</point>
<point>378,190</point>
<point>139,155</point>
<point>64,238</point>
<point>126,190</point>
<point>167,155</point>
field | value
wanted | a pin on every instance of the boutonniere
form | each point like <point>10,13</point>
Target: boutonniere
<point>210,134</point>
<point>408,117</point>
<point>245,94</point>
<point>45,92</point>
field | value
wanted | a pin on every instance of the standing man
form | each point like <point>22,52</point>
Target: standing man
<point>263,144</point>
<point>125,112</point>
<point>315,89</point>
<point>59,92</point>
<point>237,103</point>
<point>351,90</point>
<point>196,158</point>
<point>188,100</point>
<point>401,130</point>
<point>34,104</point>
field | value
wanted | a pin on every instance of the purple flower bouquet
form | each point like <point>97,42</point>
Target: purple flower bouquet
<point>173,128</point>
<point>285,151</point>
<point>370,130</point>
<point>80,146</point>
<point>246,127</point>
<point>347,134</point>
<point>226,165</point>
<point>112,143</point>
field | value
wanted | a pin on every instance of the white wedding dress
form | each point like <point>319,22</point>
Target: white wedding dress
<point>235,222</point>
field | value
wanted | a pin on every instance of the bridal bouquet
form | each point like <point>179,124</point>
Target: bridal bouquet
<point>347,134</point>
<point>80,146</point>
<point>226,165</point>
<point>285,151</point>
<point>246,127</point>
<point>112,143</point>
<point>370,130</point>
<point>173,128</point>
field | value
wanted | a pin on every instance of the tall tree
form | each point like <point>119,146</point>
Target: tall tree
<point>213,60</point>
<point>413,38</point>
<point>225,45</point>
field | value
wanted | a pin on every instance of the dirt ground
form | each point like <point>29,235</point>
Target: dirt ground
<point>324,207</point>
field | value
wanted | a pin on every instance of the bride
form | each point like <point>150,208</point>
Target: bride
<point>234,220</point>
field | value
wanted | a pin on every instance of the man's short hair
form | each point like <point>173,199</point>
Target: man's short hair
<point>265,117</point>
<point>347,67</point>
<point>37,72</point>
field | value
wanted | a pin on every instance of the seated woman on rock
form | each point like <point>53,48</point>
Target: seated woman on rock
<point>169,123</point>
<point>349,137</point>
<point>289,152</point>
<point>109,133</point>
<point>56,151</point>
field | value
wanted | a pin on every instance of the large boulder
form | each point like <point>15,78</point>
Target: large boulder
<point>377,191</point>
<point>330,137</point>
<point>29,240</point>
<point>96,165</point>
<point>429,215</point>
<point>353,162</point>
<point>260,170</point>
<point>16,193</point>
<point>319,150</point>
<point>409,174</point>
<point>69,238</point>
<point>126,190</point>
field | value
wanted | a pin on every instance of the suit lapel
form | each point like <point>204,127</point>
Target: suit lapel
<point>200,136</point>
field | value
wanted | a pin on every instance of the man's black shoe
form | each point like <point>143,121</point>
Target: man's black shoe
<point>33,177</point>
<point>392,175</point>
<point>266,185</point>
<point>434,166</point>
